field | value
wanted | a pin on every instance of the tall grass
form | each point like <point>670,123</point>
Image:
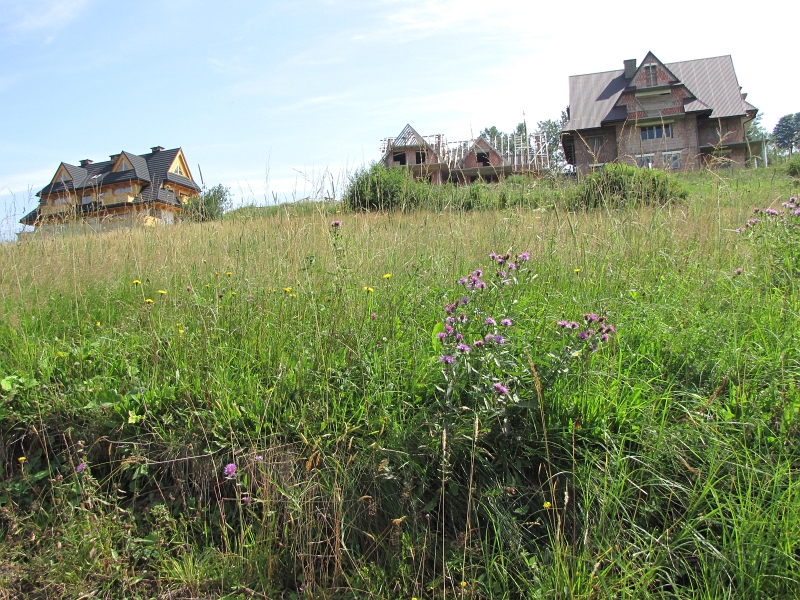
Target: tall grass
<point>662,465</point>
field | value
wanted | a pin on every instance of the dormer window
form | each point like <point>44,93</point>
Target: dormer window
<point>651,75</point>
<point>124,165</point>
<point>178,171</point>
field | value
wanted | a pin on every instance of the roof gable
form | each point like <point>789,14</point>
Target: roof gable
<point>662,75</point>
<point>179,166</point>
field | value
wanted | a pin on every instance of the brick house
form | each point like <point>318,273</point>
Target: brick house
<point>127,189</point>
<point>433,158</point>
<point>675,116</point>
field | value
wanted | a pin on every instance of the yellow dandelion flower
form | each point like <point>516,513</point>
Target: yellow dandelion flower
<point>216,273</point>
<point>137,282</point>
<point>177,324</point>
<point>208,285</point>
<point>162,292</point>
<point>578,270</point>
<point>22,459</point>
<point>387,276</point>
<point>463,584</point>
<point>271,290</point>
<point>233,293</point>
<point>229,273</point>
<point>546,505</point>
<point>181,331</point>
<point>148,301</point>
<point>97,324</point>
<point>287,289</point>
<point>292,295</point>
<point>368,289</point>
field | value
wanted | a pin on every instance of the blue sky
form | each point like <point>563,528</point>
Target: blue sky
<point>277,97</point>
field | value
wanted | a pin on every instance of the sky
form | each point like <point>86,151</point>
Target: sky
<point>281,100</point>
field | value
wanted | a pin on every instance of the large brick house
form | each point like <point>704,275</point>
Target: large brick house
<point>662,115</point>
<point>127,189</point>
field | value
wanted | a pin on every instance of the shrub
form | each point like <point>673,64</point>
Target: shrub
<point>620,185</point>
<point>793,167</point>
<point>379,188</point>
<point>209,206</point>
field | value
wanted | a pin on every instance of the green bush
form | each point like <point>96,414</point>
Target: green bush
<point>793,167</point>
<point>209,206</point>
<point>619,185</point>
<point>379,188</point>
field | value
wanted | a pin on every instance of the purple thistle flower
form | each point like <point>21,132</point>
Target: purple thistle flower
<point>448,329</point>
<point>591,318</point>
<point>512,266</point>
<point>583,335</point>
<point>604,337</point>
<point>465,300</point>
<point>259,458</point>
<point>462,318</point>
<point>795,212</point>
<point>448,308</point>
<point>770,211</point>
<point>373,316</point>
<point>489,337</point>
<point>463,348</point>
<point>506,323</point>
<point>500,260</point>
<point>493,256</point>
<point>524,256</point>
<point>610,329</point>
<point>336,224</point>
<point>755,210</point>
<point>441,335</point>
<point>247,499</point>
<point>81,467</point>
<point>188,288</point>
<point>490,321</point>
<point>478,273</point>
<point>229,470</point>
<point>788,205</point>
<point>450,320</point>
<point>459,337</point>
<point>500,389</point>
<point>462,281</point>
<point>737,272</point>
<point>478,343</point>
<point>499,339</point>
<point>480,285</point>
<point>446,359</point>
<point>564,324</point>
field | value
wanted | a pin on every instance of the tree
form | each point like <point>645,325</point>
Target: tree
<point>787,132</point>
<point>756,130</point>
<point>209,206</point>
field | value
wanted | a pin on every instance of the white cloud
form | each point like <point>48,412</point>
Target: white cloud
<point>36,15</point>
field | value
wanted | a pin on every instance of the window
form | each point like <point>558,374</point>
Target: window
<point>420,157</point>
<point>651,75</point>
<point>644,161</point>
<point>655,132</point>
<point>672,160</point>
<point>178,171</point>
<point>124,165</point>
<point>399,157</point>
<point>86,200</point>
<point>483,159</point>
<point>594,143</point>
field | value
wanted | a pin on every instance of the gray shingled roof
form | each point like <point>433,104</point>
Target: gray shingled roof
<point>712,80</point>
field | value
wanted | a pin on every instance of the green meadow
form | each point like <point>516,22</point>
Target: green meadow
<point>488,392</point>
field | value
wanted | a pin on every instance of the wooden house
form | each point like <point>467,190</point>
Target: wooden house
<point>128,189</point>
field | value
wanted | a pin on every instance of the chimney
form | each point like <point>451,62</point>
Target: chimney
<point>86,162</point>
<point>113,157</point>
<point>630,68</point>
<point>155,149</point>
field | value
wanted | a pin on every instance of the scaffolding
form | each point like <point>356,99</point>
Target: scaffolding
<point>521,152</point>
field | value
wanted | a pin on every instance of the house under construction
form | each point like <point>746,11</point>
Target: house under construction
<point>433,158</point>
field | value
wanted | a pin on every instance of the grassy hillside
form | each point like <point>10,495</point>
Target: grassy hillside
<point>331,404</point>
